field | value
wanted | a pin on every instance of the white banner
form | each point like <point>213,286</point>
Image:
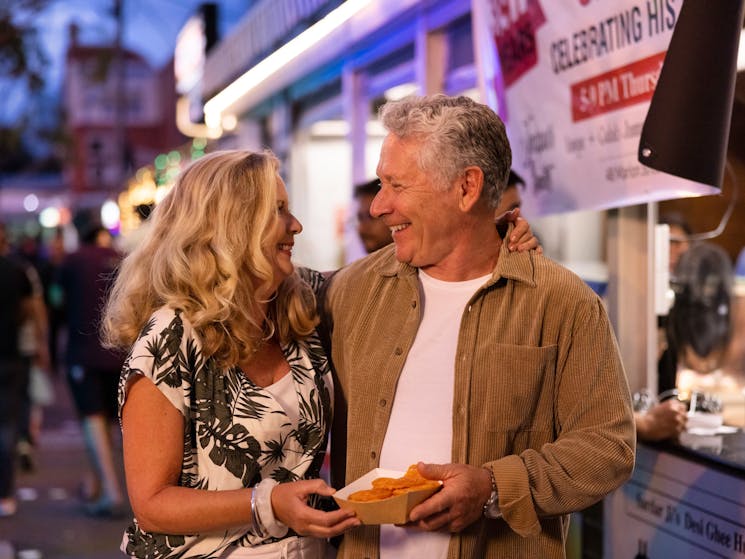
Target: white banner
<point>572,80</point>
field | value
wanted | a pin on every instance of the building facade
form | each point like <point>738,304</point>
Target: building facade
<point>119,116</point>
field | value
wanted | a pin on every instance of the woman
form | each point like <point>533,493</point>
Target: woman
<point>699,326</point>
<point>226,390</point>
<point>225,397</point>
<point>698,331</point>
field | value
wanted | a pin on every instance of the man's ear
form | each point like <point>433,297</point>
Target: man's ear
<point>471,186</point>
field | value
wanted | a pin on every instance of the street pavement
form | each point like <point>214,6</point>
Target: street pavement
<point>50,522</point>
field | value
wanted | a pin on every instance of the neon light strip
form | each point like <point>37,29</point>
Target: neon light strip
<point>273,63</point>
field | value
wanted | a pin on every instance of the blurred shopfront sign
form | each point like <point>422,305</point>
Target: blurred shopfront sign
<point>676,507</point>
<point>573,81</point>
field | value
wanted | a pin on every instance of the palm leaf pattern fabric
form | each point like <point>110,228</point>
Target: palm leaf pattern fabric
<point>235,433</point>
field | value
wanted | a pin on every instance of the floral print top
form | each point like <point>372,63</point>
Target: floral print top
<point>235,433</point>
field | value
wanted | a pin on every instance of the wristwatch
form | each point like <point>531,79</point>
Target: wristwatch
<point>491,507</point>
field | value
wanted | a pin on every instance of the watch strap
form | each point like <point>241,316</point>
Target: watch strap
<point>491,507</point>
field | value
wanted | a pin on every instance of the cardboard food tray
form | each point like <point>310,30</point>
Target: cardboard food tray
<point>393,510</point>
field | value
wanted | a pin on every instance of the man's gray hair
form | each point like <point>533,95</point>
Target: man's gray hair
<point>455,132</point>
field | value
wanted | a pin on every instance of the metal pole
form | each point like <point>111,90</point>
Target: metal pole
<point>120,98</point>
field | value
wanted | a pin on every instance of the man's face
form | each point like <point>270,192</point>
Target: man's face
<point>510,200</point>
<point>373,232</point>
<point>424,221</point>
<point>678,245</point>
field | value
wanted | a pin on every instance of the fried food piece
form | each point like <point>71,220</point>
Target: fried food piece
<point>428,484</point>
<point>411,477</point>
<point>384,487</point>
<point>374,494</point>
<point>391,483</point>
<point>413,472</point>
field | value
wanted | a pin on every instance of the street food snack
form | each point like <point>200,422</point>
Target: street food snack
<point>374,494</point>
<point>410,490</point>
<point>385,487</point>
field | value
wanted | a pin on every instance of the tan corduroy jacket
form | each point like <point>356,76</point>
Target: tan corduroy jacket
<point>540,396</point>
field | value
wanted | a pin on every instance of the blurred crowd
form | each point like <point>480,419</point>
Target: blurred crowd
<point>51,297</point>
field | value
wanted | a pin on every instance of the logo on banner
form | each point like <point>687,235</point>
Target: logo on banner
<point>514,35</point>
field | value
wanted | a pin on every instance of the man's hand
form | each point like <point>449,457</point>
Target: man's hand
<point>458,504</point>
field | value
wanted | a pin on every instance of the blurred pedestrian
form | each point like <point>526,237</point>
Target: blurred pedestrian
<point>16,300</point>
<point>373,233</point>
<point>92,370</point>
<point>511,199</point>
<point>32,345</point>
<point>680,233</point>
<point>53,296</point>
<point>35,352</point>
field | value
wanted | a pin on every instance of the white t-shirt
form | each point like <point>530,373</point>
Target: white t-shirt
<point>421,424</point>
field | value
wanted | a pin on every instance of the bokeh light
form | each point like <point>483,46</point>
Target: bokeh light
<point>49,217</point>
<point>110,214</point>
<point>31,202</point>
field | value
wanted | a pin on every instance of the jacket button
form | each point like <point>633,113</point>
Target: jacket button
<point>398,351</point>
<point>413,304</point>
<point>382,402</point>
<point>373,454</point>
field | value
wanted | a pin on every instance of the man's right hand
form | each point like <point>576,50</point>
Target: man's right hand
<point>458,504</point>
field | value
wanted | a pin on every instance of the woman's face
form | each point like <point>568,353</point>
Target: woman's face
<point>702,365</point>
<point>287,226</point>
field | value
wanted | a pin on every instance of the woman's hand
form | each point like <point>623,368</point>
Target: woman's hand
<point>289,501</point>
<point>522,237</point>
<point>662,421</point>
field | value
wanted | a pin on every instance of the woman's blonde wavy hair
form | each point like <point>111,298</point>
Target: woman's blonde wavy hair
<point>209,252</point>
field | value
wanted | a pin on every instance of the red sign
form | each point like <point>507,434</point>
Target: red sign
<point>515,37</point>
<point>621,87</point>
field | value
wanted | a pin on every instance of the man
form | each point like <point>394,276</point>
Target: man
<point>498,370</point>
<point>374,233</point>
<point>16,305</point>
<point>93,371</point>
<point>510,199</point>
<point>680,234</point>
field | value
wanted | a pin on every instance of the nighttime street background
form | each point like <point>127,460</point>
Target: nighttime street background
<point>33,43</point>
<point>36,147</point>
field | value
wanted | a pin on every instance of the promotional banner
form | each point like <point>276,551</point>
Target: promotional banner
<point>573,80</point>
